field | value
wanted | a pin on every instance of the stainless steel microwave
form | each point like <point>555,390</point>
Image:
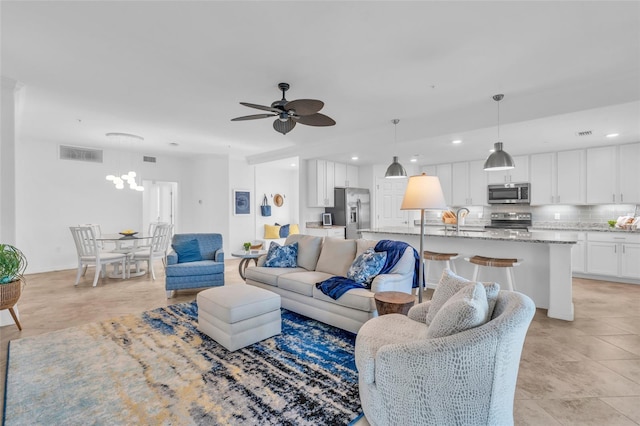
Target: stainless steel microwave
<point>509,193</point>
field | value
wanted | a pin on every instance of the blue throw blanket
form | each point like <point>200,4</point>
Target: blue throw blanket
<point>335,287</point>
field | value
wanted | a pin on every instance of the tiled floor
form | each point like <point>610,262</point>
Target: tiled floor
<point>585,372</point>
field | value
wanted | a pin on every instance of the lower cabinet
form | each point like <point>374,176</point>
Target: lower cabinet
<point>613,254</point>
<point>335,232</point>
<point>579,254</point>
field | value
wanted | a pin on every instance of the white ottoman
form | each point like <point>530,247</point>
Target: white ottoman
<point>238,315</point>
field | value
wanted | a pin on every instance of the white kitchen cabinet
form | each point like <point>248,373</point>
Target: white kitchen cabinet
<point>571,177</point>
<point>320,183</point>
<point>579,254</point>
<point>443,171</point>
<point>558,178</point>
<point>629,173</point>
<point>468,184</point>
<point>520,173</point>
<point>346,175</point>
<point>335,232</point>
<point>601,175</point>
<point>614,254</point>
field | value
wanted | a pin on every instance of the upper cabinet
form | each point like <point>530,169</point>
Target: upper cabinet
<point>612,174</point>
<point>629,173</point>
<point>346,175</point>
<point>468,183</point>
<point>320,183</point>
<point>520,173</point>
<point>558,178</point>
<point>443,171</point>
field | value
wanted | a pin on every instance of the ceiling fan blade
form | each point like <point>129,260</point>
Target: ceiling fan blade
<point>304,106</point>
<point>252,117</point>
<point>284,127</point>
<point>316,119</point>
<point>262,107</point>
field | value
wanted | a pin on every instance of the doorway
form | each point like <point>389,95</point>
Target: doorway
<point>159,202</point>
<point>389,194</point>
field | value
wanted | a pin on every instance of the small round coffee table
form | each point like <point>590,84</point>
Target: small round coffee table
<point>247,256</point>
<point>393,302</point>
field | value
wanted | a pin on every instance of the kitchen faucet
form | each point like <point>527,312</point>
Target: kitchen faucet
<point>458,215</point>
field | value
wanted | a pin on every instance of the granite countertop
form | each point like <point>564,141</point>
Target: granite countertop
<point>539,236</point>
<point>320,226</point>
<point>582,228</point>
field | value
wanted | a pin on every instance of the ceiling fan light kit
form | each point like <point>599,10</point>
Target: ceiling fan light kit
<point>499,159</point>
<point>289,113</point>
<point>395,169</point>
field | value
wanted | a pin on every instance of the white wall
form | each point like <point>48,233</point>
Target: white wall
<point>271,181</point>
<point>53,194</point>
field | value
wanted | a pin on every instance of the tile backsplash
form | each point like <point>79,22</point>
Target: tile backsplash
<point>560,216</point>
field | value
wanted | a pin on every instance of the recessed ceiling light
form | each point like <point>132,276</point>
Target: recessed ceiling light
<point>354,158</point>
<point>492,150</point>
<point>613,135</point>
<point>413,160</point>
<point>457,141</point>
<point>293,164</point>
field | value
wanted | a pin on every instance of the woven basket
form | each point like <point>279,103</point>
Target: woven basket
<point>10,293</point>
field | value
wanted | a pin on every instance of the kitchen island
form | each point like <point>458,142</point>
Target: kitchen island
<point>545,271</point>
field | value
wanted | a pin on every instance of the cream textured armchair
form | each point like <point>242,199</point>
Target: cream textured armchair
<point>469,377</point>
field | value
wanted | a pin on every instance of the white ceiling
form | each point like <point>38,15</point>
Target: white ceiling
<point>175,71</point>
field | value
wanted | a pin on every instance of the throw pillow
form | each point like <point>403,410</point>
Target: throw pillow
<point>465,310</point>
<point>271,232</point>
<point>282,256</point>
<point>284,231</point>
<point>294,229</point>
<point>449,285</point>
<point>187,251</point>
<point>366,266</point>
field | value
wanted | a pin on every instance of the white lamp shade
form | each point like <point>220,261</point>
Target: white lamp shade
<point>423,192</point>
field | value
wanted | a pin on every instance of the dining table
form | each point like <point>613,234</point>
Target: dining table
<point>127,244</point>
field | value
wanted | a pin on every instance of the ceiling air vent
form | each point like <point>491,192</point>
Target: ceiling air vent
<point>80,154</point>
<point>584,133</point>
<point>148,159</point>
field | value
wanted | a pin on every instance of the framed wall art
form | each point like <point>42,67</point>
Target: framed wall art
<point>241,202</point>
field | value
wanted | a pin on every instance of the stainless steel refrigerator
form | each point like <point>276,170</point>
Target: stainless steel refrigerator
<point>352,210</point>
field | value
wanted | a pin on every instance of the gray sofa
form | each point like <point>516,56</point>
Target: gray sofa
<point>319,259</point>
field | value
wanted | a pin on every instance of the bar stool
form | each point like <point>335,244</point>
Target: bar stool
<point>495,262</point>
<point>430,256</point>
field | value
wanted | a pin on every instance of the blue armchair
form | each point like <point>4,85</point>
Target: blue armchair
<point>208,272</point>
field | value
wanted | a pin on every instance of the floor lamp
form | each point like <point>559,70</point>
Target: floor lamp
<point>423,193</point>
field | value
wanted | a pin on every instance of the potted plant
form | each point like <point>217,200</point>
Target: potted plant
<point>12,266</point>
<point>246,246</point>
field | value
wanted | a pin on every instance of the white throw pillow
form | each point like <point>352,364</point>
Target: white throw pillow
<point>449,285</point>
<point>464,310</point>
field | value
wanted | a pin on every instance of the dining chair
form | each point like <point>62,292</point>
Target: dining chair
<point>156,250</point>
<point>152,229</point>
<point>90,253</point>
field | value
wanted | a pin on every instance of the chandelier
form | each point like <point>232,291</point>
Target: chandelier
<point>129,177</point>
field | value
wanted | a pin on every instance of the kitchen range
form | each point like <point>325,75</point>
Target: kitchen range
<point>510,220</point>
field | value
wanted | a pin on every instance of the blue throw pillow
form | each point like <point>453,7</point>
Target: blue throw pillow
<point>282,256</point>
<point>188,251</point>
<point>367,266</point>
<point>284,231</point>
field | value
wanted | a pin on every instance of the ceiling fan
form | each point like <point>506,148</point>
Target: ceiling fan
<point>303,111</point>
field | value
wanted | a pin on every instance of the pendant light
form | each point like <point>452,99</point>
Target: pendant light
<point>499,159</point>
<point>395,170</point>
<point>130,177</point>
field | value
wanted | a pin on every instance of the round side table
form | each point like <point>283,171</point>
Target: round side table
<point>246,257</point>
<point>393,302</point>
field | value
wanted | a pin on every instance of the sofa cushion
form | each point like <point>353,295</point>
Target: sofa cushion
<point>309,248</point>
<point>301,282</point>
<point>336,256</point>
<point>188,251</point>
<point>356,298</point>
<point>362,245</point>
<point>449,285</point>
<point>202,267</point>
<point>268,275</point>
<point>366,266</point>
<point>282,256</point>
<point>464,310</point>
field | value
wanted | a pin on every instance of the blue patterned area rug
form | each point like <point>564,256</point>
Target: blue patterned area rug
<point>157,368</point>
